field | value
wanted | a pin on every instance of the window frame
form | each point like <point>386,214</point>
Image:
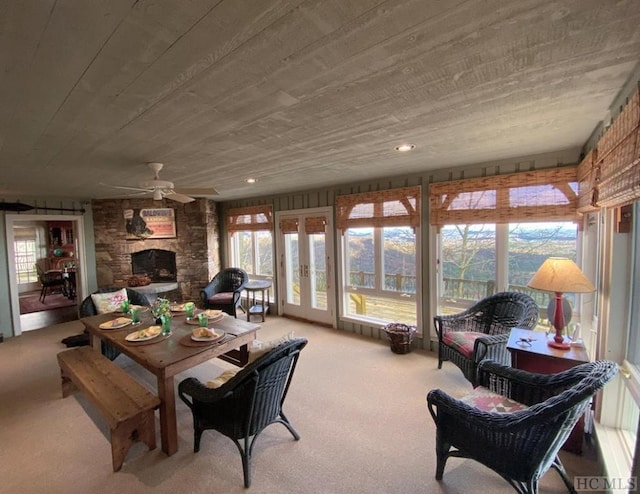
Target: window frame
<point>389,208</point>
<point>378,291</point>
<point>501,274</point>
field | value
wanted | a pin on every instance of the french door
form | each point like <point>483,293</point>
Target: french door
<point>305,268</point>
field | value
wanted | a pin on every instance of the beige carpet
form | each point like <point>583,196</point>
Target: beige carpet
<point>359,408</point>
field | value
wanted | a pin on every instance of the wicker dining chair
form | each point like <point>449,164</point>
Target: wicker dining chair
<point>482,331</point>
<point>515,422</point>
<point>246,404</point>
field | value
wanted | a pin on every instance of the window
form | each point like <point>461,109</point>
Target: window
<point>379,255</point>
<point>468,260</point>
<point>619,408</point>
<point>25,252</point>
<point>479,260</point>
<point>495,232</point>
<point>251,240</point>
<point>253,252</point>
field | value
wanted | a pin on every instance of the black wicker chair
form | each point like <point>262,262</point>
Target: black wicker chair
<point>87,308</point>
<point>521,446</point>
<point>246,404</point>
<point>224,291</point>
<point>482,331</point>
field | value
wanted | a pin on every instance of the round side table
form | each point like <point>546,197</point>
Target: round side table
<point>261,308</point>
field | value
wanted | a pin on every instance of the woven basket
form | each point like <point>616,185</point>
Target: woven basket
<point>400,336</point>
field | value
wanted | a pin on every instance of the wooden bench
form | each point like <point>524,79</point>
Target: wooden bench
<point>125,404</point>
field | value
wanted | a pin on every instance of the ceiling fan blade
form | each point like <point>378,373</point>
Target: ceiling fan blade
<point>197,191</point>
<point>126,187</point>
<point>174,196</point>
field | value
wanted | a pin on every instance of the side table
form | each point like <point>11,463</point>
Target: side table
<point>536,356</point>
<point>261,308</point>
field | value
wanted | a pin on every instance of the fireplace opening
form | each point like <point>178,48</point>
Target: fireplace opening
<point>158,264</point>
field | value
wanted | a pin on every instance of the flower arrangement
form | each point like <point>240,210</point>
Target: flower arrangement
<point>161,307</point>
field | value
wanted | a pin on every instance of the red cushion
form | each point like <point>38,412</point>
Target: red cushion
<point>222,298</point>
<point>462,341</point>
<point>488,401</point>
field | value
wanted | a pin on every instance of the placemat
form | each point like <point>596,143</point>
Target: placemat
<point>187,341</point>
<point>128,326</point>
<point>158,339</point>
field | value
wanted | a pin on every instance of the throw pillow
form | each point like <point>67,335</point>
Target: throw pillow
<point>258,348</point>
<point>109,302</point>
<point>222,378</point>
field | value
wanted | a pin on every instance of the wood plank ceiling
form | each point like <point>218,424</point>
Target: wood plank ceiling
<point>296,93</point>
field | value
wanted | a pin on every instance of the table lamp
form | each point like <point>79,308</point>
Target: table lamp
<point>560,275</point>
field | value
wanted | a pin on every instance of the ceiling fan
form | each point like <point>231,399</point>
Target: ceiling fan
<point>161,189</point>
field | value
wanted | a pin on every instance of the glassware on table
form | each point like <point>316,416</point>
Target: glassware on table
<point>135,315</point>
<point>166,324</point>
<point>189,309</point>
<point>203,320</point>
<point>125,306</point>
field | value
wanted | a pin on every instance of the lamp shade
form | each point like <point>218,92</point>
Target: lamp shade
<point>560,275</point>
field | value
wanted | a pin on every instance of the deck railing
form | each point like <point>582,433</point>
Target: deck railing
<point>458,293</point>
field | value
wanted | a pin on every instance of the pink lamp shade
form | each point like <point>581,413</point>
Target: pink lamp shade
<point>560,275</point>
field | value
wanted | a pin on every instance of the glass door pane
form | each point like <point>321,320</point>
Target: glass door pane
<point>318,271</point>
<point>292,268</point>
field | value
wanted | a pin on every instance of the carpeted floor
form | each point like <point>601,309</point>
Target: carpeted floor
<point>31,302</point>
<point>359,408</point>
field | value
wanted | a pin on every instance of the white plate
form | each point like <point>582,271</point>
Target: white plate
<point>220,333</point>
<point>120,322</point>
<point>214,313</point>
<point>135,335</point>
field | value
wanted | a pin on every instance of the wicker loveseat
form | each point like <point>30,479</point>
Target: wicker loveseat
<point>482,331</point>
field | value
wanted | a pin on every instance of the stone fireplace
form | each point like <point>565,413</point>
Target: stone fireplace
<point>158,264</point>
<point>189,260</point>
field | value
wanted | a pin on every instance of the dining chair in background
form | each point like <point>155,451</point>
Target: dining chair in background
<point>48,280</point>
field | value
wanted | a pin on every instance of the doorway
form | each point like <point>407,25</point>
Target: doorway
<point>72,242</point>
<point>306,268</point>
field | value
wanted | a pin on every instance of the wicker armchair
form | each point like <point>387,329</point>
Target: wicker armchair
<point>224,291</point>
<point>246,404</point>
<point>521,445</point>
<point>482,331</point>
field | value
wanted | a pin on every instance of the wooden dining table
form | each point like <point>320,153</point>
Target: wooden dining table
<point>167,356</point>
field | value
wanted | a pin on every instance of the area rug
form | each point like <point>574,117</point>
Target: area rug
<point>31,303</point>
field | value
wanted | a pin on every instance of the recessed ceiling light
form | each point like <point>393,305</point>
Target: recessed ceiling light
<point>403,148</point>
<point>250,180</point>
